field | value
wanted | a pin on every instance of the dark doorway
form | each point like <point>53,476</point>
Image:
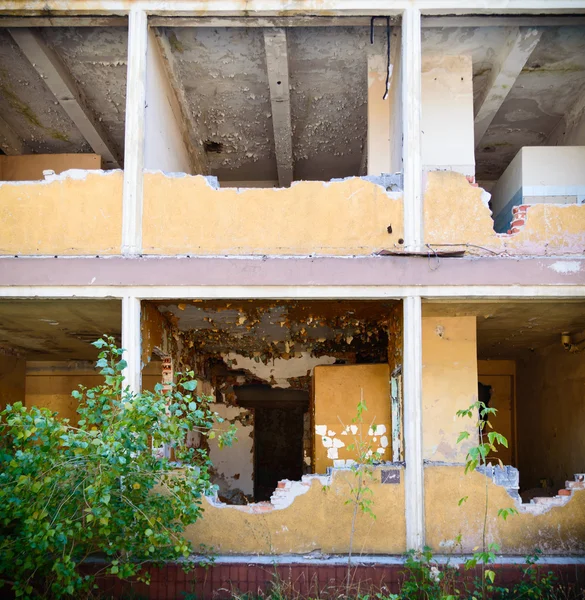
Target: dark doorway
<point>278,435</point>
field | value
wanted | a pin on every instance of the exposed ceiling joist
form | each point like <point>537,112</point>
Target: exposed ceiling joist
<point>507,68</point>
<point>61,83</point>
<point>10,143</point>
<point>189,130</point>
<point>275,46</point>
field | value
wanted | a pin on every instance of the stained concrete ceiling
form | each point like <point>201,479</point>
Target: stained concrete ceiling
<point>510,329</point>
<point>269,329</point>
<point>549,86</point>
<point>57,329</point>
<point>224,74</point>
<point>96,58</point>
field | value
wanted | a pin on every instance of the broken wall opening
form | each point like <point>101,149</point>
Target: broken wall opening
<point>272,103</point>
<point>259,362</point>
<point>515,96</point>
<point>62,98</point>
<point>534,381</point>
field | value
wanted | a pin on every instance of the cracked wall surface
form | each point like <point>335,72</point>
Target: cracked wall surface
<point>349,217</point>
<point>456,214</point>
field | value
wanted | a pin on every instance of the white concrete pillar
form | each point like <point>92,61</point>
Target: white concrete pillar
<point>134,133</point>
<point>131,342</point>
<point>413,443</point>
<point>411,128</point>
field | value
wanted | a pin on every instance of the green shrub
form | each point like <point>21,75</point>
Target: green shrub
<point>95,489</point>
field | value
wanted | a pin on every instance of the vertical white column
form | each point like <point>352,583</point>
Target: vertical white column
<point>412,380</point>
<point>134,134</point>
<point>411,128</point>
<point>131,342</point>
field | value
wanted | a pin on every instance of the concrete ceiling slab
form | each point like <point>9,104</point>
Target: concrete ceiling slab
<point>510,329</point>
<point>95,57</point>
<point>57,329</point>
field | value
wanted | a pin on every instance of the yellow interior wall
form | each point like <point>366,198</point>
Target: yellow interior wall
<point>319,520</point>
<point>561,530</point>
<point>455,214</point>
<point>65,217</point>
<point>50,386</point>
<point>337,392</point>
<point>185,215</point>
<point>30,167</point>
<point>551,413</point>
<point>449,384</point>
<point>12,380</point>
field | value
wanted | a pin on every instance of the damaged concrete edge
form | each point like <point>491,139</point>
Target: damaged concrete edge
<point>391,183</point>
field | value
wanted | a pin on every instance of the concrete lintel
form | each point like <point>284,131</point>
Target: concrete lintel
<point>275,46</point>
<point>513,56</point>
<point>397,272</point>
<point>57,78</point>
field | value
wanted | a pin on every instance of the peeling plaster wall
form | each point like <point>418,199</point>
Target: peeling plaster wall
<point>447,113</point>
<point>312,517</point>
<point>278,371</point>
<point>449,384</point>
<point>337,390</point>
<point>30,167</point>
<point>558,530</point>
<point>234,464</point>
<point>12,380</point>
<point>338,218</point>
<point>78,212</point>
<point>551,413</point>
<point>455,213</point>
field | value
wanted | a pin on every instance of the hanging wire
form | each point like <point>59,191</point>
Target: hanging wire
<point>387,50</point>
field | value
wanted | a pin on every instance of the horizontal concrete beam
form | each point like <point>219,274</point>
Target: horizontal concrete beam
<point>398,272</point>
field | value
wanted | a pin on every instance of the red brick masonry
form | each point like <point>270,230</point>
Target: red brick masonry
<point>222,580</point>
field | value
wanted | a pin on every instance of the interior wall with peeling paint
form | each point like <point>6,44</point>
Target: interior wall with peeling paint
<point>553,529</point>
<point>457,214</point>
<point>74,213</point>
<point>338,218</point>
<point>12,379</point>
<point>30,167</point>
<point>337,391</point>
<point>447,113</point>
<point>311,515</point>
<point>551,413</point>
<point>449,384</point>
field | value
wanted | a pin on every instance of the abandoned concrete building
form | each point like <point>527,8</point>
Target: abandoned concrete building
<point>313,203</point>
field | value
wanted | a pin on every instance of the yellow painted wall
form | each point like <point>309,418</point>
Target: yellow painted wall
<point>455,214</point>
<point>561,530</point>
<point>49,384</point>
<point>185,215</point>
<point>12,380</point>
<point>337,391</point>
<point>66,217</point>
<point>319,520</point>
<point>551,416</point>
<point>29,167</point>
<point>449,384</point>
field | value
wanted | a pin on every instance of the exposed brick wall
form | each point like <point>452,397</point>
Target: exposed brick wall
<point>222,580</point>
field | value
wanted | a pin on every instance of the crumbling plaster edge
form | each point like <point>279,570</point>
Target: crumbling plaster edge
<point>69,174</point>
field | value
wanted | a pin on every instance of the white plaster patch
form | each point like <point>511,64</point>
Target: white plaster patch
<point>337,443</point>
<point>566,266</point>
<point>321,429</point>
<point>330,432</point>
<point>327,441</point>
<point>353,429</point>
<point>384,441</point>
<point>332,453</point>
<point>280,370</point>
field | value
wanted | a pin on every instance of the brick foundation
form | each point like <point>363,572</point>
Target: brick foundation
<point>223,580</point>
